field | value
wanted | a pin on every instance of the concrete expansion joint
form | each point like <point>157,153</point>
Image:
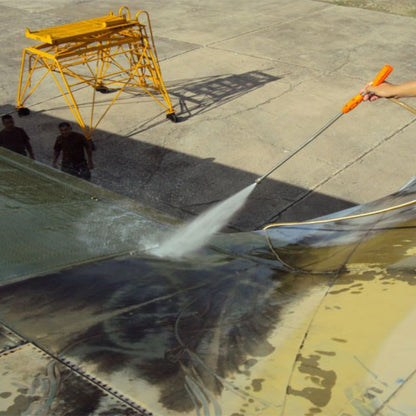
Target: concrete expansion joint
<point>368,151</point>
<point>395,133</point>
<point>255,107</point>
<point>339,171</point>
<point>197,46</point>
<point>291,204</point>
<point>266,27</point>
<point>261,104</point>
<point>249,55</point>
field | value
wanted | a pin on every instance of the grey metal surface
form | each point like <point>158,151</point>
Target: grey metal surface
<point>225,332</point>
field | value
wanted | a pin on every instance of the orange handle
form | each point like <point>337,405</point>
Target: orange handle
<point>382,75</point>
<point>351,104</point>
<point>380,78</point>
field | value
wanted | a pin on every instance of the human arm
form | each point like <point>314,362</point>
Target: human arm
<point>30,150</point>
<point>27,144</point>
<point>387,90</point>
<point>56,153</point>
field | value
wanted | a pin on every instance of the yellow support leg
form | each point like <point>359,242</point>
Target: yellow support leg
<point>108,54</point>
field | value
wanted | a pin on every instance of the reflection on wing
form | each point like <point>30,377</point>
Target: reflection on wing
<point>91,324</point>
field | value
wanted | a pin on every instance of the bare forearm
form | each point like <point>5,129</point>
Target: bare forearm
<point>406,89</point>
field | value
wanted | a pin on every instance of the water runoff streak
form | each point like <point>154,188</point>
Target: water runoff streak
<point>196,234</point>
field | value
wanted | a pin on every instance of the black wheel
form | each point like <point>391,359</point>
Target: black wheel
<point>172,117</point>
<point>23,111</point>
<point>102,89</point>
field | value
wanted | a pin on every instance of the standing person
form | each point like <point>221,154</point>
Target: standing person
<point>387,90</point>
<point>73,147</point>
<point>15,138</point>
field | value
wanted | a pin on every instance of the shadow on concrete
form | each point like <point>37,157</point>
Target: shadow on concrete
<point>203,94</point>
<point>7,109</point>
<point>189,97</point>
<point>200,95</point>
<point>179,184</point>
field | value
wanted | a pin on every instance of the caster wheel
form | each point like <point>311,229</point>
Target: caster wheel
<point>23,111</point>
<point>102,90</point>
<point>172,117</point>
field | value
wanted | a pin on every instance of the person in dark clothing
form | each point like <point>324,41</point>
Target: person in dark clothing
<point>73,147</point>
<point>15,138</point>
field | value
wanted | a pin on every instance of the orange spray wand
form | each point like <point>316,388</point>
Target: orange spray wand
<point>350,105</point>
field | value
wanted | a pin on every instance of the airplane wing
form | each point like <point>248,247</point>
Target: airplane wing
<point>297,319</point>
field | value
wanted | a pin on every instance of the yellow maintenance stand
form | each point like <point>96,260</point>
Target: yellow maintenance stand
<point>110,54</point>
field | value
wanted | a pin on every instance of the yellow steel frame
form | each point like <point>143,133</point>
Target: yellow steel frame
<point>109,54</point>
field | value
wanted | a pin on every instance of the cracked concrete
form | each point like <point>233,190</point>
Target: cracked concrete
<point>250,84</point>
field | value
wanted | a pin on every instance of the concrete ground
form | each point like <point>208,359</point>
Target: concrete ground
<point>250,83</point>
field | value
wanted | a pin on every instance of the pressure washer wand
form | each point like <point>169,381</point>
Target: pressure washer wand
<point>350,105</point>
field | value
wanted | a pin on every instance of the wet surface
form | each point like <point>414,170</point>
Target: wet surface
<point>175,326</point>
<point>50,222</point>
<point>294,320</point>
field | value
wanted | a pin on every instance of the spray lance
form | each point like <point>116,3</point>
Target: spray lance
<point>197,233</point>
<point>350,105</point>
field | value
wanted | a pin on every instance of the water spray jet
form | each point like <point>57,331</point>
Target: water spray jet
<point>197,233</point>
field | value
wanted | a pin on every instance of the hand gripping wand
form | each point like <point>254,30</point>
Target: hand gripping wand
<point>350,105</point>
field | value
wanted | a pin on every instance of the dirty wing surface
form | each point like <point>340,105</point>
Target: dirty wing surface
<point>323,328</point>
